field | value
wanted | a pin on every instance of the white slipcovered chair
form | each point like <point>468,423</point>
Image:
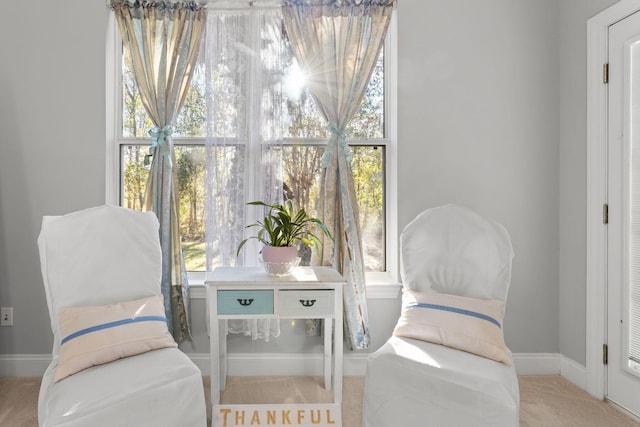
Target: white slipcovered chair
<point>100,259</point>
<point>429,372</point>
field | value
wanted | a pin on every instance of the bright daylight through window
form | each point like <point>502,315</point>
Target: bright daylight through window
<point>305,135</point>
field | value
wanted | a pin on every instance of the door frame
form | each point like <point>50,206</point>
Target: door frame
<point>597,111</point>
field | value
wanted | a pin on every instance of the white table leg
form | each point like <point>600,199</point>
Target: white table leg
<point>214,348</point>
<point>327,323</point>
<point>223,353</point>
<point>337,348</point>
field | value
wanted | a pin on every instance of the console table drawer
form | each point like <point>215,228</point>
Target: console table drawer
<point>306,304</point>
<point>245,302</point>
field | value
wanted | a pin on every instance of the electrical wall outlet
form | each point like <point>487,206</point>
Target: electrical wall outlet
<point>6,316</point>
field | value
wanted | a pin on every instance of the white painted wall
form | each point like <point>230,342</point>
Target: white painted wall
<point>52,152</point>
<point>491,115</point>
<point>479,126</point>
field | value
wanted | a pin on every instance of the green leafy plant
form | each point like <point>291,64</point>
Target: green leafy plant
<point>284,226</point>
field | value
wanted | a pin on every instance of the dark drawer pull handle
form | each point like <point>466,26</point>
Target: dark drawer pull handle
<point>245,302</point>
<point>307,302</point>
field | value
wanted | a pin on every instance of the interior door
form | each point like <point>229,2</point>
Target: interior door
<point>623,187</point>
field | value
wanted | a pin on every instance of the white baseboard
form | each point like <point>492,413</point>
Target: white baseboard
<point>250,364</point>
<point>573,372</point>
<point>23,365</point>
<point>551,364</point>
<point>354,364</point>
<point>537,363</point>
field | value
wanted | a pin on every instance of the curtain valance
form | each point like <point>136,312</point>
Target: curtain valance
<point>340,7</point>
<point>160,4</point>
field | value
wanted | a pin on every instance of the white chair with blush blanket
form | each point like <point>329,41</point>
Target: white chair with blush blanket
<point>446,363</point>
<point>114,361</point>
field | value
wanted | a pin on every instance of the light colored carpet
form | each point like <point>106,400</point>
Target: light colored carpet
<point>552,401</point>
<point>19,402</point>
<point>546,401</point>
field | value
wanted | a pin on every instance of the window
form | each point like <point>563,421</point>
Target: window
<point>305,134</point>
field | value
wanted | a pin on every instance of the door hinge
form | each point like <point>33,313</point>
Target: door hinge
<point>605,213</point>
<point>605,73</point>
<point>605,354</point>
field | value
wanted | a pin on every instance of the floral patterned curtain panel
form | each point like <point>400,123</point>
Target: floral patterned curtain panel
<point>162,41</point>
<point>337,43</point>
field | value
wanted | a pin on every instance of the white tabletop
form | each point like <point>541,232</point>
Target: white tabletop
<point>257,275</point>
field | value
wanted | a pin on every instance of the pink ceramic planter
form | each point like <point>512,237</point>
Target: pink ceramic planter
<point>280,261</point>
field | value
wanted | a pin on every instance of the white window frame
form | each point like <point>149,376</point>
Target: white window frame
<point>379,284</point>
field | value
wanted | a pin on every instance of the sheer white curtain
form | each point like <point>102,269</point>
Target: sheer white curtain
<point>244,133</point>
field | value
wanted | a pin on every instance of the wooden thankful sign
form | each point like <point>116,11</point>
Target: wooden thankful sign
<point>289,415</point>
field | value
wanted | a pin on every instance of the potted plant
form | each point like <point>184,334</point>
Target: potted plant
<point>281,229</point>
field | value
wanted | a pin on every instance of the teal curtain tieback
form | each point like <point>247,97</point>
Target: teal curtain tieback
<point>159,136</point>
<point>338,135</point>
